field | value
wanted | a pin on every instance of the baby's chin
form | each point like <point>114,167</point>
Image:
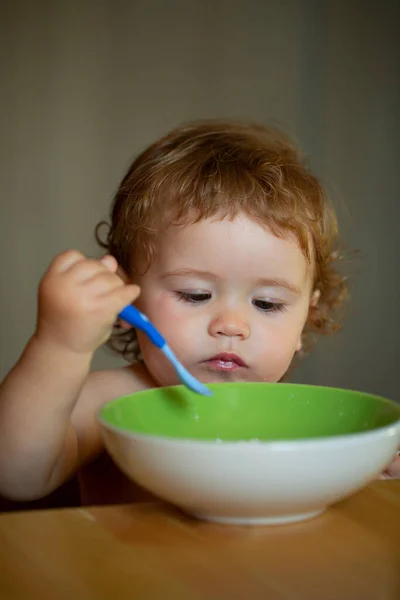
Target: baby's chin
<point>208,375</point>
<point>244,376</point>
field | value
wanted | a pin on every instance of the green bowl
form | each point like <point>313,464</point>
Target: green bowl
<point>245,411</point>
<point>253,452</point>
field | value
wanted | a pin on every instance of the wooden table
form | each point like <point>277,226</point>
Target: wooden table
<point>152,551</point>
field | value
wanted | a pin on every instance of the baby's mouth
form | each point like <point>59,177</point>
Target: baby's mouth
<point>226,361</point>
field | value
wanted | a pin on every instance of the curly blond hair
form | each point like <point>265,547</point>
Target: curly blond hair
<point>222,168</point>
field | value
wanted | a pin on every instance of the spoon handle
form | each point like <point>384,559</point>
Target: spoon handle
<point>134,317</point>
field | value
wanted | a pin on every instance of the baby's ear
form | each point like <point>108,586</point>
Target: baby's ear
<point>315,296</point>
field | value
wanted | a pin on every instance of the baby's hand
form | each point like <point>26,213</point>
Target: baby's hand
<point>79,300</point>
<point>393,470</point>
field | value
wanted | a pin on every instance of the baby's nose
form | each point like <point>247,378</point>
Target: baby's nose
<point>229,324</point>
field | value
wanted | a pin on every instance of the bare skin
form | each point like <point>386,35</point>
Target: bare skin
<point>49,400</point>
<point>231,285</point>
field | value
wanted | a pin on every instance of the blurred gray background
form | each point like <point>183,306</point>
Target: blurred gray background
<point>87,85</point>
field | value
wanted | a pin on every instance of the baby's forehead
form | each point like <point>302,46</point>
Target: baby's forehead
<point>242,230</point>
<point>230,247</point>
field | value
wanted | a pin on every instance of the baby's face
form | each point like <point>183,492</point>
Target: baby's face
<point>230,298</point>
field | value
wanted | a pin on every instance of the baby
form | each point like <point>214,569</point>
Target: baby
<point>227,242</point>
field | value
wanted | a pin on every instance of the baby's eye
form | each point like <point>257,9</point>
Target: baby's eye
<point>193,297</point>
<point>268,306</point>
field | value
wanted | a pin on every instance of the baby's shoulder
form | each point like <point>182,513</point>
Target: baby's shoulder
<point>113,383</point>
<point>105,385</point>
<point>101,387</point>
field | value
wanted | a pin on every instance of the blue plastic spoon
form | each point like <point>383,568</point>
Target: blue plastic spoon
<point>134,317</point>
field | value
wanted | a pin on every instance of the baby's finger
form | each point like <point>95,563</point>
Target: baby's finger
<point>85,270</point>
<point>110,263</point>
<point>65,261</point>
<point>394,469</point>
<point>124,276</point>
<point>103,283</point>
<point>124,325</point>
<point>124,296</point>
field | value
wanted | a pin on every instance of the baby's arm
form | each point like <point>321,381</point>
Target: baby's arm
<point>79,300</point>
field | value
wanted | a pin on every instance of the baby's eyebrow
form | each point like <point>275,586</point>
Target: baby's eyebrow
<point>270,282</point>
<point>189,273</point>
<point>277,282</point>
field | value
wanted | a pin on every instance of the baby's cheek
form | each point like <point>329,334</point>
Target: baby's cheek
<point>279,357</point>
<point>172,321</point>
<point>282,343</point>
<point>164,312</point>
<point>179,330</point>
<point>182,337</point>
